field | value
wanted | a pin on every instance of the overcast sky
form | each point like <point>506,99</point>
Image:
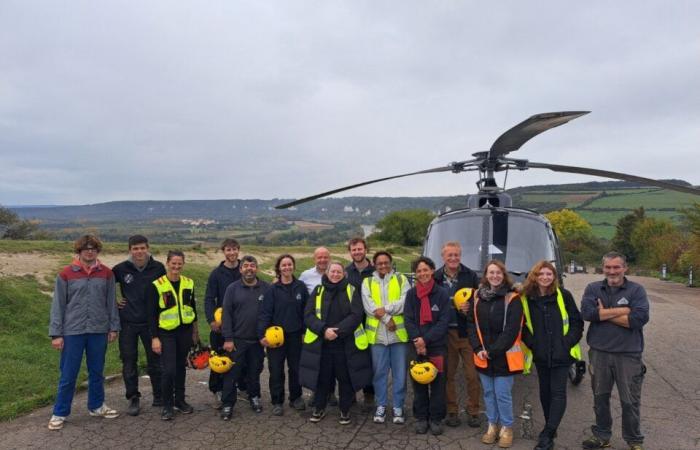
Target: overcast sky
<point>115,100</point>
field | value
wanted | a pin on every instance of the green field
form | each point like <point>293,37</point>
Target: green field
<point>30,372</point>
<point>649,199</point>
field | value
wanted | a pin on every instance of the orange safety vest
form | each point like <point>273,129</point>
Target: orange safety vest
<point>514,356</point>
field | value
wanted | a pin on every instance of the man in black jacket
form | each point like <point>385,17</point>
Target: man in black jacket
<point>220,278</point>
<point>453,276</point>
<point>134,276</point>
<point>359,269</point>
<point>239,328</point>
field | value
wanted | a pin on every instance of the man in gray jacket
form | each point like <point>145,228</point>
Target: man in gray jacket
<point>84,318</point>
<point>618,309</point>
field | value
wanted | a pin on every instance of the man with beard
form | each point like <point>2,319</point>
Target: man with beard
<point>239,328</point>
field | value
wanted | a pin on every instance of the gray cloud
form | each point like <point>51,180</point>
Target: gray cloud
<point>172,100</point>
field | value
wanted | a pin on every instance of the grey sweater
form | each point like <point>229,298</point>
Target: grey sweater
<point>84,302</point>
<point>605,335</point>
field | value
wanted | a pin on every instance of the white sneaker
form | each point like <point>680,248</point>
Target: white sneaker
<point>380,414</point>
<point>56,422</point>
<point>398,419</point>
<point>104,411</point>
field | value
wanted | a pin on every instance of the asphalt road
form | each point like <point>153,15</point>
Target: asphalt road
<point>670,405</point>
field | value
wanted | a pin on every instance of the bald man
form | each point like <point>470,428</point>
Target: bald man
<point>312,277</point>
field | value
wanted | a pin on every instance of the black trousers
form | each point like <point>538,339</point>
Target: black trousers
<point>252,355</point>
<point>175,345</point>
<point>429,400</point>
<point>553,382</point>
<point>291,352</point>
<point>216,380</point>
<point>334,366</point>
<point>129,353</point>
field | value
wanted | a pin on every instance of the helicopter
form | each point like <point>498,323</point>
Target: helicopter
<point>489,226</point>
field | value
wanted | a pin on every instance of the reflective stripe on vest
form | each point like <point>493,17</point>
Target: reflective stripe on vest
<point>517,347</point>
<point>359,334</point>
<point>575,351</point>
<point>396,282</point>
<point>178,314</point>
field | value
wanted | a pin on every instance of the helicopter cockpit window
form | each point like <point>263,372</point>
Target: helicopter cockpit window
<point>520,240</point>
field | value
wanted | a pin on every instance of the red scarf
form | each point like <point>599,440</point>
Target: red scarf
<point>422,290</point>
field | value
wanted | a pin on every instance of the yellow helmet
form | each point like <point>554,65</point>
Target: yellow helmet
<point>423,372</point>
<point>220,363</point>
<point>217,315</point>
<point>275,336</point>
<point>462,296</point>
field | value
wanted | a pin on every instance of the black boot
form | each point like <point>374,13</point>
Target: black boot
<point>134,406</point>
<point>545,442</point>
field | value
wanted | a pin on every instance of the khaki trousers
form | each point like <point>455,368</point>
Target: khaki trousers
<point>458,347</point>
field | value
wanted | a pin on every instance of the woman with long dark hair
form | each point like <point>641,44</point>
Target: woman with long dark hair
<point>283,306</point>
<point>494,326</point>
<point>553,328</point>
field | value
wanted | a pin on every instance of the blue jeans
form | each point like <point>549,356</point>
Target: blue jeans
<point>498,399</point>
<point>385,357</point>
<point>94,346</point>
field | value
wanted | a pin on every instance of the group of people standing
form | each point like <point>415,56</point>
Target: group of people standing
<point>349,328</point>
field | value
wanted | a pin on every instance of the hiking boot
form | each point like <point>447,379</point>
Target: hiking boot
<point>421,427</point>
<point>226,413</point>
<point>344,418</point>
<point>595,442</point>
<point>491,434</point>
<point>298,404</point>
<point>317,415</point>
<point>544,442</point>
<point>332,400</point>
<point>474,421</point>
<point>256,404</point>
<point>453,420</point>
<point>435,428</point>
<point>134,406</point>
<point>636,447</point>
<point>167,413</point>
<point>398,416</point>
<point>505,437</point>
<point>277,410</point>
<point>183,407</point>
<point>379,414</point>
<point>104,411</point>
<point>56,422</point>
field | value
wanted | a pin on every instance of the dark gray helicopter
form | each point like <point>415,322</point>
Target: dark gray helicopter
<point>489,226</point>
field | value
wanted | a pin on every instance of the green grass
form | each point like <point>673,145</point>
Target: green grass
<point>30,370</point>
<point>648,199</point>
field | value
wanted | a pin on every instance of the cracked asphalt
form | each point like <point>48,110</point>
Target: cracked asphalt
<point>670,405</point>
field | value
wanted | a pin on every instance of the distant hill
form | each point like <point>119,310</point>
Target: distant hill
<point>601,203</point>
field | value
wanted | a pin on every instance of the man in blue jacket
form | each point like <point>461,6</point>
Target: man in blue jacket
<point>618,309</point>
<point>135,276</point>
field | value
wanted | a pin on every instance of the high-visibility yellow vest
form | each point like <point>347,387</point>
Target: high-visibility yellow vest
<point>394,292</point>
<point>179,313</point>
<point>360,336</point>
<point>575,351</point>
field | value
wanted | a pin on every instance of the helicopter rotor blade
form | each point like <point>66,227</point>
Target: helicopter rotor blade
<point>514,138</point>
<point>456,167</point>
<point>614,175</point>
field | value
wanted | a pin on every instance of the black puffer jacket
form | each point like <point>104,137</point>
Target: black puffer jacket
<point>359,361</point>
<point>497,338</point>
<point>548,344</point>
